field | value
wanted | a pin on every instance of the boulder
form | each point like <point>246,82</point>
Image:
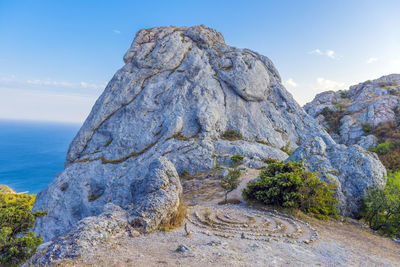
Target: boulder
<point>89,232</point>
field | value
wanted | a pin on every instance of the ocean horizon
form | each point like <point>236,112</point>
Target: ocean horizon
<point>33,152</point>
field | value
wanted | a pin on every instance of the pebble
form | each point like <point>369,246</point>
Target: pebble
<point>214,243</point>
<point>182,248</point>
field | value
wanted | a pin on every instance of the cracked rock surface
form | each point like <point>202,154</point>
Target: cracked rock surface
<point>166,110</point>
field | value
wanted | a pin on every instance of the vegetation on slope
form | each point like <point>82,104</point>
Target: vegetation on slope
<point>288,185</point>
<point>382,207</point>
<point>17,243</point>
<point>333,118</point>
<point>388,148</point>
<point>6,190</point>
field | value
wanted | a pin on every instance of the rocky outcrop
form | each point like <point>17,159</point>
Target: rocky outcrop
<point>366,104</point>
<point>89,232</point>
<point>351,168</point>
<point>184,100</point>
<point>150,194</point>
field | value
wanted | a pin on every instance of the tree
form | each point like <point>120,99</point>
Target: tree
<point>230,182</point>
<point>17,243</point>
<point>382,207</point>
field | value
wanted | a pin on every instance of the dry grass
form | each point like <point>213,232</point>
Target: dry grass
<point>177,220</point>
<point>230,201</point>
<point>179,136</point>
<point>201,186</point>
<point>207,217</point>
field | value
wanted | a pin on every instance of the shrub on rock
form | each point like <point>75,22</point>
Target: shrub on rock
<point>17,243</point>
<point>237,159</point>
<point>231,135</point>
<point>288,185</point>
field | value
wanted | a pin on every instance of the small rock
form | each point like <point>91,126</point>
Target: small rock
<point>194,202</point>
<point>182,248</point>
<point>224,173</point>
<point>243,236</point>
<point>214,243</point>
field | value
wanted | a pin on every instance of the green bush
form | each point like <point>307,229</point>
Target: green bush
<point>231,135</point>
<point>333,118</point>
<point>367,128</point>
<point>288,185</point>
<point>382,207</point>
<point>382,148</point>
<point>17,243</point>
<point>237,159</point>
<point>393,91</point>
<point>270,160</point>
<point>287,149</point>
<point>388,150</point>
<point>344,94</point>
<point>184,173</point>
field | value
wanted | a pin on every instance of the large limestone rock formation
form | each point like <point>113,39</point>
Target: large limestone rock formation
<point>167,110</point>
<point>367,103</point>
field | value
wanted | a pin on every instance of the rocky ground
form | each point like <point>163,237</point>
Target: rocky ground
<point>240,235</point>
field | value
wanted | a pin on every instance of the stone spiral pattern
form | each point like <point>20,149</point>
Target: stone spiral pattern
<point>237,221</point>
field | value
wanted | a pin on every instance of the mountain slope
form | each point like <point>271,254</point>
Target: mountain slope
<point>366,114</point>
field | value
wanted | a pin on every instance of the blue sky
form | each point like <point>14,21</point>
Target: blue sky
<point>57,56</point>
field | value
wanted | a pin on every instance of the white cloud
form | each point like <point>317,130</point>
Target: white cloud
<point>51,100</point>
<point>329,53</point>
<point>395,62</point>
<point>323,84</point>
<point>12,81</point>
<point>290,83</point>
<point>42,105</point>
<point>92,85</point>
<point>49,82</point>
<point>116,31</point>
<point>371,60</point>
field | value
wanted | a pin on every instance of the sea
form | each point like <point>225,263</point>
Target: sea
<point>32,153</point>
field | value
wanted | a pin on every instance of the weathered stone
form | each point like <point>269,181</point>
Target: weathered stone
<point>88,233</point>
